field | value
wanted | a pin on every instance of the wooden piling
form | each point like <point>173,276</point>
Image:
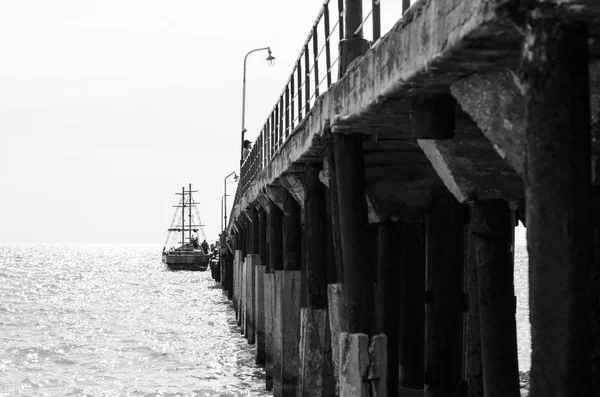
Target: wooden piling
<point>335,216</point>
<point>473,365</point>
<point>557,195</point>
<point>255,239</point>
<point>259,313</point>
<point>292,233</point>
<point>275,238</point>
<point>263,247</point>
<point>412,303</point>
<point>316,368</point>
<point>358,279</point>
<point>315,226</point>
<point>252,261</point>
<point>444,283</point>
<point>492,227</point>
<point>243,295</point>
<point>388,294</point>
<point>237,293</point>
<point>260,288</point>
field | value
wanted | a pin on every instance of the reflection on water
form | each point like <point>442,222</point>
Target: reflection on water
<point>101,320</point>
<point>109,320</point>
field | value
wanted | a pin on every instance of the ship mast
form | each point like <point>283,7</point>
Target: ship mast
<point>190,211</point>
<point>182,216</point>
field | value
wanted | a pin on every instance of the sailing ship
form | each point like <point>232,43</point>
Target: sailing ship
<point>185,252</point>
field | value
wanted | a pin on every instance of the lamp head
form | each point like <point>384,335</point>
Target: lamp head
<point>270,58</point>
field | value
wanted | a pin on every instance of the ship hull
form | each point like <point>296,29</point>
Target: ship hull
<point>191,262</point>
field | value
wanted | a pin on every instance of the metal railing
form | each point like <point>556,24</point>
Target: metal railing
<point>314,71</point>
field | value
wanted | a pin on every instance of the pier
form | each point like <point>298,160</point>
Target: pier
<point>371,236</point>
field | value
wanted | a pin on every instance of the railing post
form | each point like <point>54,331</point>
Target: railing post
<point>281,125</point>
<point>292,91</point>
<point>299,69</point>
<point>287,111</point>
<point>327,49</point>
<point>316,59</point>
<point>307,79</point>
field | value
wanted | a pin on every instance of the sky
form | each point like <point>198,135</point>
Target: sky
<point>109,107</point>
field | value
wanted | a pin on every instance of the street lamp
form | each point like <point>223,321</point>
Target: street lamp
<point>235,178</point>
<point>222,197</point>
<point>271,61</point>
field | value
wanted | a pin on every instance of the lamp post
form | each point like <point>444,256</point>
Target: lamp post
<point>222,198</point>
<point>271,61</point>
<point>235,178</point>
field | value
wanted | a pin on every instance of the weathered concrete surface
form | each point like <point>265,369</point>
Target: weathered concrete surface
<point>471,179</point>
<point>287,332</point>
<point>354,365</point>
<point>338,323</point>
<point>269,286</point>
<point>294,186</point>
<point>315,375</point>
<point>259,312</point>
<point>378,365</point>
<point>495,100</point>
<point>435,44</point>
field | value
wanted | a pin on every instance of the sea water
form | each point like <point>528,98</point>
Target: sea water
<point>110,320</point>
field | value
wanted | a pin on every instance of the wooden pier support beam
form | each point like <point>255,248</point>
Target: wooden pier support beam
<point>358,278</point>
<point>275,238</point>
<point>555,73</point>
<point>287,303</point>
<point>473,365</point>
<point>388,294</point>
<point>259,279</point>
<point>252,261</point>
<point>443,321</point>
<point>492,229</point>
<point>292,233</point>
<point>316,367</point>
<point>273,349</point>
<point>237,288</point>
<point>254,241</point>
<point>335,215</point>
<point>412,304</point>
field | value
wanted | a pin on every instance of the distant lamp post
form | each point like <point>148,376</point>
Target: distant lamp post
<point>270,61</point>
<point>235,178</point>
<point>222,198</point>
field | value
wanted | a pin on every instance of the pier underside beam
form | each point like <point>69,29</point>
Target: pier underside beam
<point>557,182</point>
